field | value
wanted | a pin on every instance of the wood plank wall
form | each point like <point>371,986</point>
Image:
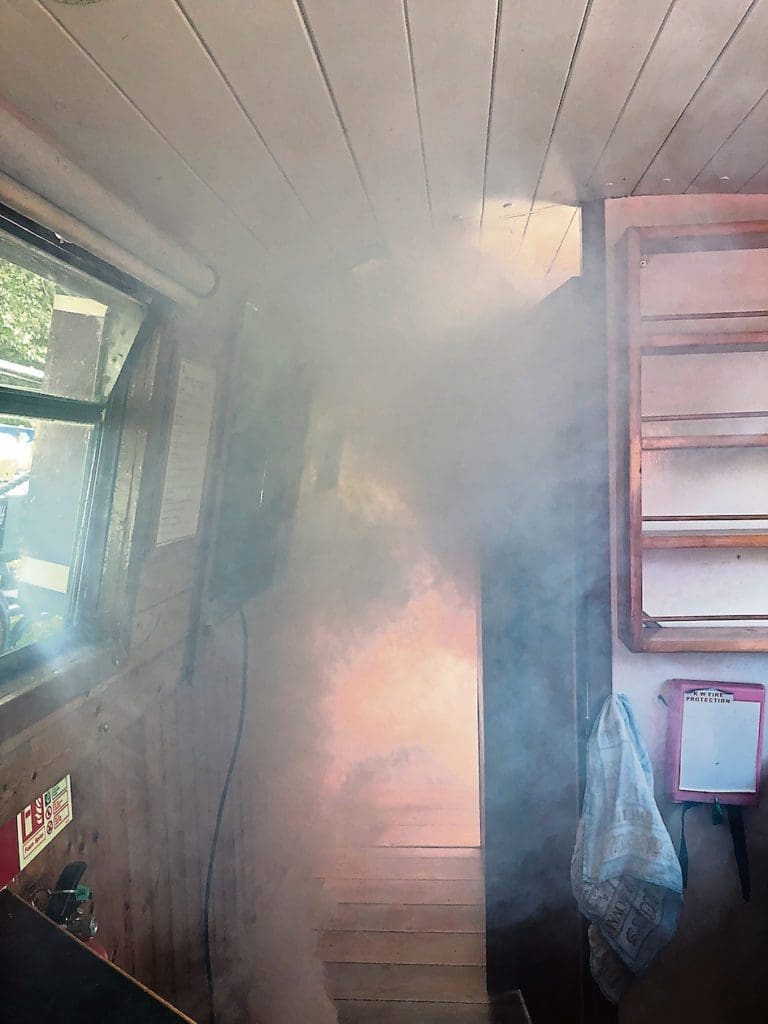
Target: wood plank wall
<point>148,752</point>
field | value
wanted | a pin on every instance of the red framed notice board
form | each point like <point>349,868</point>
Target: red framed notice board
<point>715,741</point>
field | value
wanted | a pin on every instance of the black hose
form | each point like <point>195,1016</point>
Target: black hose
<point>217,828</point>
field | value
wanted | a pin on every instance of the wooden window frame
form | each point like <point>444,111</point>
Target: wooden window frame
<point>38,679</point>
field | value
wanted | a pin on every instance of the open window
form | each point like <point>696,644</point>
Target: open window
<point>65,336</point>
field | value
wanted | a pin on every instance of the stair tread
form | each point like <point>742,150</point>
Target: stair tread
<point>381,865</point>
<point>410,851</point>
<point>360,1011</point>
<point>407,918</point>
<point>438,892</point>
<point>368,1012</point>
<point>401,947</point>
<point>429,835</point>
<point>411,982</point>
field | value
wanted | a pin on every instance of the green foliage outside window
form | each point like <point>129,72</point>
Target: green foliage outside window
<point>26,308</point>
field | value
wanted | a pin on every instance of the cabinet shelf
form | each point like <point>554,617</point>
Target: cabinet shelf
<point>692,342</point>
<point>695,417</point>
<point>672,441</point>
<point>720,314</point>
<point>665,539</point>
<point>675,639</point>
<point>730,517</point>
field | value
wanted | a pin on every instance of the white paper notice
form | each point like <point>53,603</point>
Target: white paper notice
<point>718,752</point>
<point>187,453</point>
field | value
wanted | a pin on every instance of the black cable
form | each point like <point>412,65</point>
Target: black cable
<point>217,828</point>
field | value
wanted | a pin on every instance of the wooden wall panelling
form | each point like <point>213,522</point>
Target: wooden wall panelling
<point>139,840</point>
<point>231,840</point>
<point>162,625</point>
<point>217,703</point>
<point>175,815</point>
<point>117,934</point>
<point>158,841</point>
<point>38,758</point>
<point>203,715</point>
<point>217,688</point>
<point>213,136</point>
<point>716,109</point>
<point>242,834</point>
<point>228,877</point>
<point>616,40</point>
<point>166,573</point>
<point>690,42</point>
<point>79,106</point>
<point>92,833</point>
<point>193,849</point>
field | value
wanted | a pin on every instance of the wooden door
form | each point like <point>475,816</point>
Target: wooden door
<point>546,656</point>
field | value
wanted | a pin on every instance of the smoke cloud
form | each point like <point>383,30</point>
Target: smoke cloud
<point>412,360</point>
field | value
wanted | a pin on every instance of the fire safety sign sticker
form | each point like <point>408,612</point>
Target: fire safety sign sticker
<point>43,819</point>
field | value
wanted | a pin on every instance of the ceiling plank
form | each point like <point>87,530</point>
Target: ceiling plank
<point>740,157</point>
<point>77,106</point>
<point>364,49</point>
<point>689,44</point>
<point>265,55</point>
<point>549,227</point>
<point>453,56</point>
<point>566,262</point>
<point>536,44</point>
<point>617,39</point>
<point>150,52</point>
<point>758,183</point>
<point>734,85</point>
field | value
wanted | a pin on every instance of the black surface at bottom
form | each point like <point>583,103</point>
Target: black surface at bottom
<point>46,975</point>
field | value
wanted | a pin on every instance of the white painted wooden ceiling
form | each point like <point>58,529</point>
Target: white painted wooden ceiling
<point>342,124</point>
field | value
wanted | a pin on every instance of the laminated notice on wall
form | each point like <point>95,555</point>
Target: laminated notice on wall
<point>33,828</point>
<point>187,453</point>
<point>714,746</point>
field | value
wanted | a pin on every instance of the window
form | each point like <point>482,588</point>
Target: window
<point>65,335</point>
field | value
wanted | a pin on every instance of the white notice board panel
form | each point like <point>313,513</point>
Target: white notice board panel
<point>719,741</point>
<point>187,453</point>
<point>715,741</point>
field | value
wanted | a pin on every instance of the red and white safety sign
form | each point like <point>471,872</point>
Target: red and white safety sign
<point>35,826</point>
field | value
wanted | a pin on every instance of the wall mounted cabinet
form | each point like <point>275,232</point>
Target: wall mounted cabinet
<point>692,389</point>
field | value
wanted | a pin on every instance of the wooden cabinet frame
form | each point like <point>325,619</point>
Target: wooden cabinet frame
<point>642,335</point>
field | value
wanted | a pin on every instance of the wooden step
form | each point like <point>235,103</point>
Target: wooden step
<point>429,835</point>
<point>382,917</point>
<point>462,984</point>
<point>393,850</point>
<point>364,1012</point>
<point>406,891</point>
<point>375,863</point>
<point>401,948</point>
<point>360,1011</point>
<point>425,814</point>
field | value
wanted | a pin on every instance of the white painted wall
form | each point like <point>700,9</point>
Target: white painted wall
<point>712,972</point>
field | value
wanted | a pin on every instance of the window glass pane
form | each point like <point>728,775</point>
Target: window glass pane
<point>61,332</point>
<point>43,472</point>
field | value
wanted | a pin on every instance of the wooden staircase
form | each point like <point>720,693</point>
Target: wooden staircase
<point>404,939</point>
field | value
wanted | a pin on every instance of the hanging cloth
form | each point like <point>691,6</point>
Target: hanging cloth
<point>625,873</point>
